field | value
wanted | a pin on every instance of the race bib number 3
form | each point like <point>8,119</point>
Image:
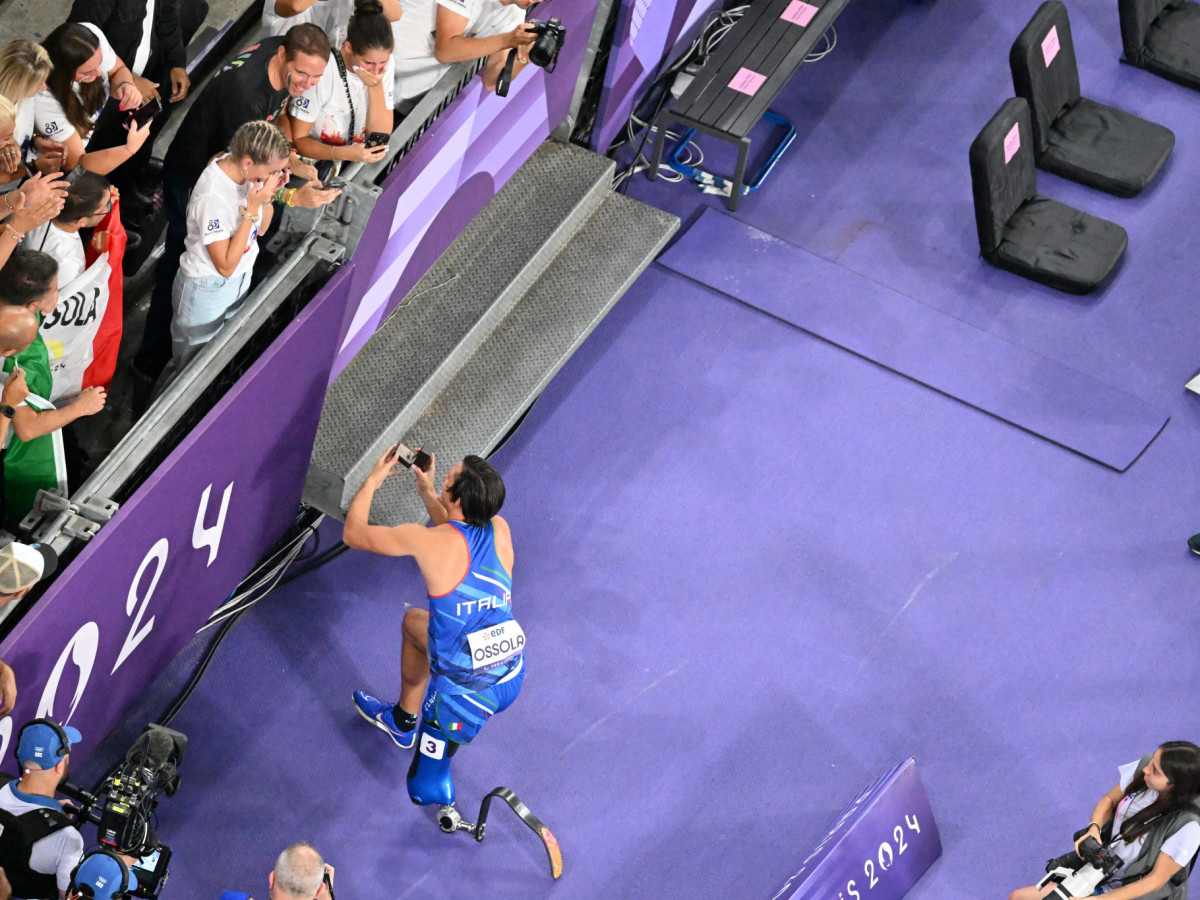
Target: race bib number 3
<point>495,645</point>
<point>432,747</point>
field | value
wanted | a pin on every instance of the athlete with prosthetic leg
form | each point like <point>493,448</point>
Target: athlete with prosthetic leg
<point>460,661</point>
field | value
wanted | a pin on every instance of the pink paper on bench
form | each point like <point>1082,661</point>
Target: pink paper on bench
<point>1012,142</point>
<point>1050,45</point>
<point>747,82</point>
<point>799,12</point>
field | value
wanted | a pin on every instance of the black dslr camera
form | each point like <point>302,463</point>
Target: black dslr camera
<point>542,52</point>
<point>550,36</point>
<point>130,796</point>
<point>1078,874</point>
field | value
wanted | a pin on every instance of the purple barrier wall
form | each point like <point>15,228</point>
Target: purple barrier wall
<point>878,847</point>
<point>137,593</point>
<point>647,31</point>
<point>457,166</point>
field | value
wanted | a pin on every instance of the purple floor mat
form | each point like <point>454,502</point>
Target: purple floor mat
<point>860,315</point>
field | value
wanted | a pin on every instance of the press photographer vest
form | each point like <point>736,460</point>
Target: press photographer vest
<point>18,834</point>
<point>1176,888</point>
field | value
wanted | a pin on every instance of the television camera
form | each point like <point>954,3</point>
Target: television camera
<point>124,803</point>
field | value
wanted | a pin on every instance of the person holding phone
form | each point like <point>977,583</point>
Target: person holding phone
<point>229,208</point>
<point>87,72</point>
<point>354,97</point>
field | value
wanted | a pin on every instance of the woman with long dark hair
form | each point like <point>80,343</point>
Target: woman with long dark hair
<point>1151,820</point>
<point>86,73</point>
<point>354,96</point>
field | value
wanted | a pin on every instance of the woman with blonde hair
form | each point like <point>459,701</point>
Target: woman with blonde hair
<point>23,210</point>
<point>229,208</point>
<point>24,68</point>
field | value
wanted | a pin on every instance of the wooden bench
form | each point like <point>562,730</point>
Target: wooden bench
<point>744,75</point>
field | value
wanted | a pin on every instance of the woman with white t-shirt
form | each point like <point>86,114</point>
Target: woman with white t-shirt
<point>36,203</point>
<point>229,208</point>
<point>24,67</point>
<point>87,71</point>
<point>354,95</point>
<point>1151,820</point>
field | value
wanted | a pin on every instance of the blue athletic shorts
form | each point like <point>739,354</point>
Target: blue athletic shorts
<point>460,716</point>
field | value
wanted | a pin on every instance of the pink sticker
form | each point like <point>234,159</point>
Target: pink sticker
<point>747,82</point>
<point>1050,45</point>
<point>1012,143</point>
<point>799,12</point>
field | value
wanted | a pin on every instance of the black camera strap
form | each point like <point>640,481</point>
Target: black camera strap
<point>505,78</point>
<point>341,64</point>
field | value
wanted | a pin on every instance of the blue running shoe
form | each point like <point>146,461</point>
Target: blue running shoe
<point>379,714</point>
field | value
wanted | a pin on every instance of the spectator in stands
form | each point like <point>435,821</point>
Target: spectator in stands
<point>21,567</point>
<point>253,87</point>
<point>87,71</point>
<point>331,16</point>
<point>230,207</point>
<point>436,33</point>
<point>152,35</point>
<point>39,200</point>
<point>34,458</point>
<point>300,874</point>
<point>353,97</point>
<point>83,291</point>
<point>24,67</point>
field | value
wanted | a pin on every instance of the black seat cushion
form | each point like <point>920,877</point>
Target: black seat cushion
<point>1163,36</point>
<point>1027,234</point>
<point>1106,148</point>
<point>1059,246</point>
<point>1172,45</point>
<point>1075,137</point>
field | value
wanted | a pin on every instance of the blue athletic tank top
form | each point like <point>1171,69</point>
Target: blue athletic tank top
<point>474,641</point>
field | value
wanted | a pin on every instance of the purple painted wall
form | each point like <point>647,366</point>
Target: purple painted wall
<point>456,168</point>
<point>137,593</point>
<point>878,847</point>
<point>647,31</point>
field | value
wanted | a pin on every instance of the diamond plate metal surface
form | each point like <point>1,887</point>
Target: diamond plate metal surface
<point>520,357</point>
<point>451,310</point>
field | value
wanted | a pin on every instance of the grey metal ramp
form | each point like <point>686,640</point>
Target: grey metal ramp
<point>451,310</point>
<point>512,367</point>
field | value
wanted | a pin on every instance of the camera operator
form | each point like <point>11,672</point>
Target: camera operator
<point>1151,821</point>
<point>39,847</point>
<point>102,875</point>
<point>300,874</point>
<point>435,33</point>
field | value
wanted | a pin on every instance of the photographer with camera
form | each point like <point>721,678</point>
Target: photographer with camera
<point>436,33</point>
<point>102,875</point>
<point>1146,831</point>
<point>39,845</point>
<point>300,874</point>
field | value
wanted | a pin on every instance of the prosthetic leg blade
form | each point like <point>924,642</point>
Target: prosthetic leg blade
<point>545,835</point>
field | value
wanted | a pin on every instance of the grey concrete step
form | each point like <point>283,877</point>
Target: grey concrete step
<point>506,372</point>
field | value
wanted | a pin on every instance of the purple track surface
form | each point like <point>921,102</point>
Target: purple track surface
<point>937,350</point>
<point>757,571</point>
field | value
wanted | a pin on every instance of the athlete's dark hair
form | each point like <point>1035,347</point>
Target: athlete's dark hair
<point>70,45</point>
<point>306,38</point>
<point>84,197</point>
<point>26,277</point>
<point>1180,762</point>
<point>480,489</point>
<point>369,29</point>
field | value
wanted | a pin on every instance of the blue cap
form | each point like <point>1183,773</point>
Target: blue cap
<point>102,872</point>
<point>40,744</point>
